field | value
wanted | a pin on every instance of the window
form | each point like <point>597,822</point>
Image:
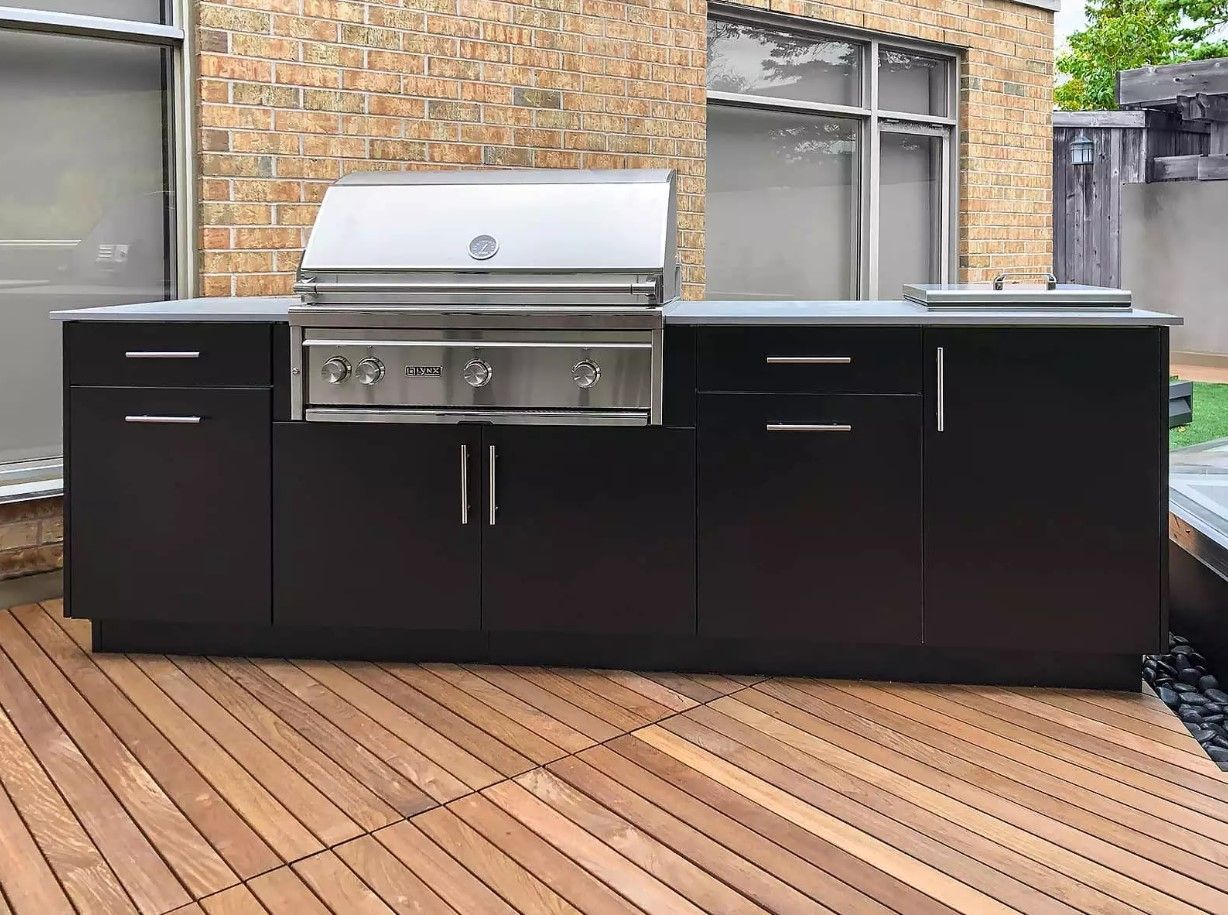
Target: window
<point>88,192</point>
<point>829,163</point>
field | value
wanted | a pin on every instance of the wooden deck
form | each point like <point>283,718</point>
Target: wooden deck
<point>225,787</point>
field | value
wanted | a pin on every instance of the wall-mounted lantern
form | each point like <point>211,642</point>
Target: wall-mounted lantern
<point>1082,150</point>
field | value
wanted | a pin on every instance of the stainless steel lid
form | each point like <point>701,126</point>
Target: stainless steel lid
<point>1003,293</point>
<point>541,236</point>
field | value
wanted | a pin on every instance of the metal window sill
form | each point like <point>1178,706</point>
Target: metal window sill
<point>30,490</point>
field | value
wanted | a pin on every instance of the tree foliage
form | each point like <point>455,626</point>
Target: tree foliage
<point>1122,34</point>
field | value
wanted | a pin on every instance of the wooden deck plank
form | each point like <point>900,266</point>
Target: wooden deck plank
<point>760,886</point>
<point>272,821</point>
<point>823,870</point>
<point>1151,837</point>
<point>339,887</point>
<point>498,725</point>
<point>189,855</point>
<point>572,690</point>
<point>537,856</point>
<point>963,882</point>
<point>399,887</point>
<point>1166,765</point>
<point>851,796</point>
<point>515,885</point>
<point>510,681</point>
<point>434,780</point>
<point>582,792</point>
<point>26,878</point>
<point>662,695</point>
<point>325,820</point>
<point>1125,779</point>
<point>562,735</point>
<point>1102,865</point>
<point>147,880</point>
<point>654,857</point>
<point>636,704</point>
<point>447,877</point>
<point>1166,745</point>
<point>349,795</point>
<point>394,789</point>
<point>237,843</point>
<point>443,720</point>
<point>283,892</point>
<point>234,901</point>
<point>599,859</point>
<point>447,754</point>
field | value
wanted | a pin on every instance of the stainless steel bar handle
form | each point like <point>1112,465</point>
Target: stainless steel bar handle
<point>809,360</point>
<point>635,287</point>
<point>1000,280</point>
<point>809,427</point>
<point>168,420</point>
<point>464,480</point>
<point>161,354</point>
<point>493,507</point>
<point>942,391</point>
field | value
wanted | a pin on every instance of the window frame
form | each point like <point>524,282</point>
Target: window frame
<point>872,122</point>
<point>179,152</point>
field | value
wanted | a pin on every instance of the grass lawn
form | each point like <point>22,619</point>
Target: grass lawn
<point>1210,416</point>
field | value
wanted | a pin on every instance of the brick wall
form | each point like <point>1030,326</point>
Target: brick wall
<point>295,93</point>
<point>31,537</point>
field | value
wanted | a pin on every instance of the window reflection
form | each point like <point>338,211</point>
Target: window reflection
<point>781,205</point>
<point>749,59</point>
<point>85,208</point>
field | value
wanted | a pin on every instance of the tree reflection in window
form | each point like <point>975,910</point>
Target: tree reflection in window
<point>753,60</point>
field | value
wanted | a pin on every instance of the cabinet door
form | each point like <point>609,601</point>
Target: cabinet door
<point>810,517</point>
<point>1044,490</point>
<point>168,504</point>
<point>376,525</point>
<point>593,530</point>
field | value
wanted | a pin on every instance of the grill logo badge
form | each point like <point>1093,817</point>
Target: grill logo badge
<point>423,371</point>
<point>483,247</point>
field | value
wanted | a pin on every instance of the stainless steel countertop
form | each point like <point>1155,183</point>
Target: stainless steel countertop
<point>889,312</point>
<point>219,308</point>
<point>899,312</point>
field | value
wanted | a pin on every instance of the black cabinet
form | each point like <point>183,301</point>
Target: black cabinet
<point>810,517</point>
<point>377,525</point>
<point>593,530</point>
<point>1044,488</point>
<point>168,492</point>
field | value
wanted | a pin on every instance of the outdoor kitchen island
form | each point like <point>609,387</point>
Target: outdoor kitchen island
<point>848,488</point>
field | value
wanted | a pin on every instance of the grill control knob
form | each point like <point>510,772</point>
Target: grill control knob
<point>477,373</point>
<point>335,370</point>
<point>585,373</point>
<point>369,371</point>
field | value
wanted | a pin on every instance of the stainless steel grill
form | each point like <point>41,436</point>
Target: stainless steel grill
<point>527,296</point>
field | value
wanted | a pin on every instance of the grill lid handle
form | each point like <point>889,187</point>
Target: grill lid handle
<point>310,287</point>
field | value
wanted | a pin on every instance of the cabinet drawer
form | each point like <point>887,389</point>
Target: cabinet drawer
<point>820,360</point>
<point>810,518</point>
<point>168,504</point>
<point>171,354</point>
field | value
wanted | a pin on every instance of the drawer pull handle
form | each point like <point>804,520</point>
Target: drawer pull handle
<point>809,427</point>
<point>464,483</point>
<point>493,506</point>
<point>941,419</point>
<point>809,360</point>
<point>165,420</point>
<point>161,354</point>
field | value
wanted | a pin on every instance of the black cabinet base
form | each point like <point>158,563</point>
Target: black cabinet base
<point>743,656</point>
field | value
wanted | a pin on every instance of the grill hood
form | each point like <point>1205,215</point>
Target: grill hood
<point>497,237</point>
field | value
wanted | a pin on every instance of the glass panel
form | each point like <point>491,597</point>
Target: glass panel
<point>910,212</point>
<point>781,205</point>
<point>85,210</point>
<point>912,83</point>
<point>140,10</point>
<point>751,59</point>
